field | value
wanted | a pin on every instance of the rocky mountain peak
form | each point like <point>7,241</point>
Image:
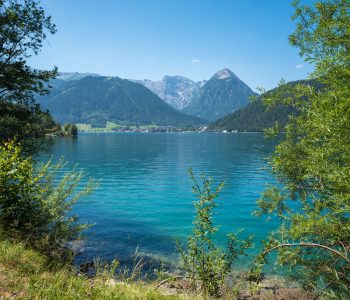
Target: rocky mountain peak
<point>223,74</point>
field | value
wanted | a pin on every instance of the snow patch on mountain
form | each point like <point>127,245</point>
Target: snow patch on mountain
<point>223,74</point>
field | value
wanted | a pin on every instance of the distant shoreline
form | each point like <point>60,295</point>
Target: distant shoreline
<point>143,132</point>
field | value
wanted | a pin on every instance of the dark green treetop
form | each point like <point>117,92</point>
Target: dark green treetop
<point>23,29</point>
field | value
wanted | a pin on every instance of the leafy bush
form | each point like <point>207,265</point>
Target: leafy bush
<point>312,163</point>
<point>204,261</point>
<point>34,205</point>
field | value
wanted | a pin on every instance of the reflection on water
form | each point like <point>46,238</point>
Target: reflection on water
<point>145,197</point>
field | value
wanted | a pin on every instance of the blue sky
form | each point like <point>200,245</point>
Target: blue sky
<point>194,38</point>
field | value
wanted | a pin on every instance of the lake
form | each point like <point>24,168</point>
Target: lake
<point>145,196</point>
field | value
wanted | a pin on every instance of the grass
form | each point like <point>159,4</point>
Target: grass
<point>88,127</point>
<point>83,126</point>
<point>109,126</point>
<point>24,274</point>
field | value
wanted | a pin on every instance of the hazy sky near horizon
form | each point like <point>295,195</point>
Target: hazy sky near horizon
<point>138,39</point>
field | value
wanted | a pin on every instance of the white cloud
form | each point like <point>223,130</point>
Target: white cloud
<point>299,66</point>
<point>196,61</point>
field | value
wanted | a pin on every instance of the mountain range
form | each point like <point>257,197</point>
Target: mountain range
<point>174,100</point>
<point>97,99</point>
<point>222,94</point>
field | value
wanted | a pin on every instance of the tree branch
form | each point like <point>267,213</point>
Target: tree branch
<point>310,245</point>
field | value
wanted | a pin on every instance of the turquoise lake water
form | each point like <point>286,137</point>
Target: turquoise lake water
<point>145,198</point>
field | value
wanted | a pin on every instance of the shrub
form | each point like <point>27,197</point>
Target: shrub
<point>312,162</point>
<point>204,261</point>
<point>34,204</point>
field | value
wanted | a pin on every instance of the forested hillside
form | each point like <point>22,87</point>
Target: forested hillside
<point>96,100</point>
<point>255,117</point>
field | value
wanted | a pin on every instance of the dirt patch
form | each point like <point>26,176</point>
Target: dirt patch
<point>269,289</point>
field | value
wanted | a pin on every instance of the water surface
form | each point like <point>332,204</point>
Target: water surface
<point>145,198</point>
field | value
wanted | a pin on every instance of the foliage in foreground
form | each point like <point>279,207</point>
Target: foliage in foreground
<point>313,162</point>
<point>24,27</point>
<point>204,261</point>
<point>24,274</point>
<point>35,204</point>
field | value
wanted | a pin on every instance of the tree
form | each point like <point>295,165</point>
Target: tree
<point>23,29</point>
<point>312,163</point>
<point>27,127</point>
<point>70,129</point>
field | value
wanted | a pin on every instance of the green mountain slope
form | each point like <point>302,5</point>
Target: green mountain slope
<point>95,100</point>
<point>223,94</point>
<point>255,118</point>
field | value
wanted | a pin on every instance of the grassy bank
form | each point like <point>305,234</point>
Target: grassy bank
<point>24,274</point>
<point>111,127</point>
